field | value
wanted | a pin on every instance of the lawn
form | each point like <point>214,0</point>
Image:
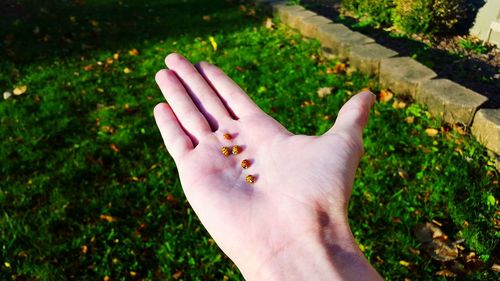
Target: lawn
<point>88,191</point>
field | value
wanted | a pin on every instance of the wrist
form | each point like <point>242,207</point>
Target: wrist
<point>328,252</point>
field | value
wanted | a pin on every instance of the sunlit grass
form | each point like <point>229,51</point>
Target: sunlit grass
<point>87,189</point>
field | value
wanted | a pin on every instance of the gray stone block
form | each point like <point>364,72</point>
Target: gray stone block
<point>340,39</point>
<point>269,2</point>
<point>449,100</point>
<point>403,75</point>
<point>296,18</point>
<point>282,10</point>
<point>309,26</point>
<point>367,57</point>
<point>486,128</point>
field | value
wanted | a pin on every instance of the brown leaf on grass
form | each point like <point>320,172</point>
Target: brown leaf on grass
<point>431,132</point>
<point>243,8</point>
<point>403,174</point>
<point>459,129</point>
<point>19,90</point>
<point>88,67</point>
<point>307,103</point>
<point>269,24</point>
<point>114,148</point>
<point>177,275</point>
<point>410,119</point>
<point>108,218</point>
<point>339,68</point>
<point>495,267</point>
<point>7,95</point>
<point>445,273</point>
<point>133,52</point>
<point>404,263</point>
<point>324,91</point>
<point>84,249</point>
<point>206,18</point>
<point>398,104</point>
<point>385,96</point>
<point>436,243</point>
<point>108,129</point>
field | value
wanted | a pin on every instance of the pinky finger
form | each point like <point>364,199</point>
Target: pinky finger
<point>176,140</point>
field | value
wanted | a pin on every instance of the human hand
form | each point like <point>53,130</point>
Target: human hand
<point>291,223</point>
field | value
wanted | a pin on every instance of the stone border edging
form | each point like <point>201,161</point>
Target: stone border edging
<point>402,75</point>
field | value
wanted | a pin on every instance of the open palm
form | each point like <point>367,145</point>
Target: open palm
<point>302,183</point>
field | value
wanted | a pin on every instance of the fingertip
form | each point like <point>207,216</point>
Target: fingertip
<point>173,58</point>
<point>160,75</point>
<point>159,108</point>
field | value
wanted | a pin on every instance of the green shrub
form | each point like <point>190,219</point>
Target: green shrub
<point>379,11</point>
<point>447,14</point>
<point>413,16</point>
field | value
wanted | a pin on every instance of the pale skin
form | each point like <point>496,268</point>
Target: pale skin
<point>291,223</point>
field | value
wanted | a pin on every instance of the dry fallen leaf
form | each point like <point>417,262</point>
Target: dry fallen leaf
<point>6,95</point>
<point>446,273</point>
<point>107,218</point>
<point>403,174</point>
<point>108,129</point>
<point>436,243</point>
<point>495,267</point>
<point>19,90</point>
<point>431,132</point>
<point>404,263</point>
<point>325,91</point>
<point>84,249</point>
<point>459,129</point>
<point>385,96</point>
<point>133,52</point>
<point>206,17</point>
<point>177,275</point>
<point>339,68</point>
<point>410,119</point>
<point>88,67</point>
<point>114,148</point>
<point>269,24</point>
<point>213,43</point>
<point>398,104</point>
<point>307,103</point>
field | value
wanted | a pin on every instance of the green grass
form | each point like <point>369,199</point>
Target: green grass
<point>59,173</point>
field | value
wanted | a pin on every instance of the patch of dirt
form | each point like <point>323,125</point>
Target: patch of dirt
<point>444,54</point>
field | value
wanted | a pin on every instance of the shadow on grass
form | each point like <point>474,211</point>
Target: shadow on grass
<point>31,30</point>
<point>470,72</point>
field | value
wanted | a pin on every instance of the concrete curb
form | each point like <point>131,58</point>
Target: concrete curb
<point>402,75</point>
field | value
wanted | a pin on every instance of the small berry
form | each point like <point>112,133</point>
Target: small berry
<point>227,136</point>
<point>245,164</point>
<point>250,179</point>
<point>236,149</point>
<point>225,151</point>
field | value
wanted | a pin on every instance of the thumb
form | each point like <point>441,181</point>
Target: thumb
<point>353,117</point>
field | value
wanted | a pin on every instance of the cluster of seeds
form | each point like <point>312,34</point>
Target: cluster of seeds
<point>245,164</point>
